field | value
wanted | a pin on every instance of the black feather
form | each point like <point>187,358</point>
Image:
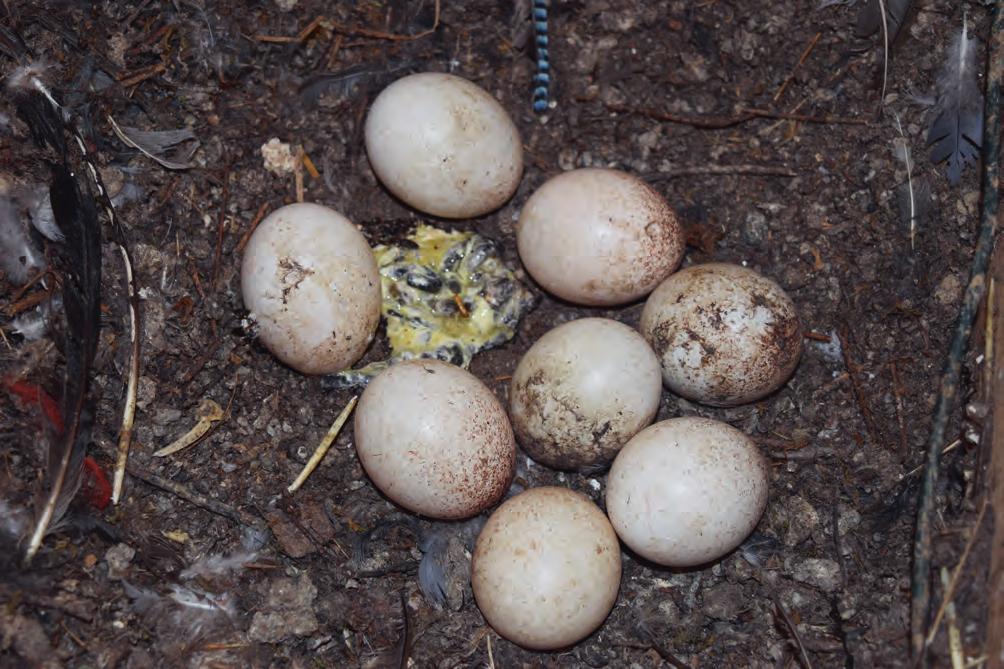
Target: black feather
<point>870,17</point>
<point>79,258</point>
<point>957,129</point>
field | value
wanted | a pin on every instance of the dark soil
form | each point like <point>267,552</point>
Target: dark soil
<point>334,563</point>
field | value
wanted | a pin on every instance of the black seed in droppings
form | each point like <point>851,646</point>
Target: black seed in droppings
<point>423,278</point>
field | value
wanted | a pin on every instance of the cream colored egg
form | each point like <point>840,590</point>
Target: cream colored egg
<point>686,491</point>
<point>598,237</point>
<point>434,439</point>
<point>444,145</point>
<point>546,568</point>
<point>583,390</point>
<point>310,283</point>
<point>724,334</point>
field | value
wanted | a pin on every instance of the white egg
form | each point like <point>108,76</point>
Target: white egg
<point>583,390</point>
<point>444,145</point>
<point>310,282</point>
<point>724,334</point>
<point>546,568</point>
<point>434,439</point>
<point>686,491</point>
<point>598,237</point>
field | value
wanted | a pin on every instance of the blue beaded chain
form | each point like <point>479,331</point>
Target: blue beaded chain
<point>541,80</point>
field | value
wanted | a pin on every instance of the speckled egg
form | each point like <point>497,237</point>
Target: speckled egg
<point>687,491</point>
<point>546,568</point>
<point>311,285</point>
<point>598,237</point>
<point>583,390</point>
<point>724,334</point>
<point>444,145</point>
<point>434,439</point>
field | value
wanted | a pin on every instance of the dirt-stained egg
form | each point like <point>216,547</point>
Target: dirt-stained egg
<point>434,439</point>
<point>687,491</point>
<point>444,145</point>
<point>599,237</point>
<point>725,335</point>
<point>310,282</point>
<point>546,568</point>
<point>583,390</point>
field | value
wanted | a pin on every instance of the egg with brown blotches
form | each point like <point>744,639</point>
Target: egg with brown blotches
<point>546,568</point>
<point>687,491</point>
<point>725,335</point>
<point>582,390</point>
<point>435,439</point>
<point>444,145</point>
<point>310,283</point>
<point>598,237</point>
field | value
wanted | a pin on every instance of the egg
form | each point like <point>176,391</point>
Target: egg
<point>686,491</point>
<point>444,145</point>
<point>434,439</point>
<point>724,334</point>
<point>598,237</point>
<point>583,390</point>
<point>310,283</point>
<point>546,568</point>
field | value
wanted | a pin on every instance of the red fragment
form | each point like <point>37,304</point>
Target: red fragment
<point>30,393</point>
<point>96,488</point>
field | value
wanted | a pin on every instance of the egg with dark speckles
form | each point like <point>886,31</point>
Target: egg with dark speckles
<point>725,335</point>
<point>435,439</point>
<point>598,237</point>
<point>583,390</point>
<point>310,283</point>
<point>687,491</point>
<point>546,568</point>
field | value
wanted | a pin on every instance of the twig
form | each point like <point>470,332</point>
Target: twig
<point>947,449</point>
<point>298,174</point>
<point>954,582</point>
<point>323,447</point>
<point>806,664</point>
<point>201,501</point>
<point>994,392</point>
<point>859,394</point>
<point>393,37</point>
<point>807,453</point>
<point>947,397</point>
<point>127,79</point>
<point>246,237</point>
<point>801,61</point>
<point>897,391</point>
<point>742,116</point>
<point>221,228</point>
<point>756,170</point>
<point>349,30</point>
